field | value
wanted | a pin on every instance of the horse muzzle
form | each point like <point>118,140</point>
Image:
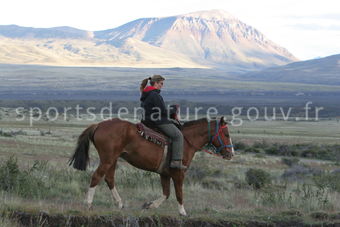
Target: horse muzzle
<point>229,155</point>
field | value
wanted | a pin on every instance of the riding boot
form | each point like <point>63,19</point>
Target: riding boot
<point>177,164</point>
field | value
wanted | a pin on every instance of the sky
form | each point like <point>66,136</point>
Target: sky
<point>307,28</point>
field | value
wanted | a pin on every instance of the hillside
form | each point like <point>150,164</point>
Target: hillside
<point>317,71</point>
<point>206,39</point>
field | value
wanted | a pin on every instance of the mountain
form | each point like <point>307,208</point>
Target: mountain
<point>14,31</point>
<point>205,39</point>
<point>317,71</point>
<point>212,38</point>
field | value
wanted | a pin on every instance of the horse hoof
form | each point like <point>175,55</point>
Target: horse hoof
<point>182,211</point>
<point>147,205</point>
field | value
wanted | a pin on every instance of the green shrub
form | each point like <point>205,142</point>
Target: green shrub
<point>300,172</point>
<point>271,150</point>
<point>213,183</point>
<point>328,180</point>
<point>254,150</point>
<point>260,155</point>
<point>274,196</point>
<point>25,183</point>
<point>257,178</point>
<point>290,161</point>
<point>240,146</point>
<point>241,184</point>
<point>5,134</point>
<point>320,215</point>
<point>9,174</point>
<point>261,144</point>
<point>325,152</point>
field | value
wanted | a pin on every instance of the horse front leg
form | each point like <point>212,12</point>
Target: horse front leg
<point>165,181</point>
<point>110,181</point>
<point>178,183</point>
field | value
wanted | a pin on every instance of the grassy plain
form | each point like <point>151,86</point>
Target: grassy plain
<point>214,190</point>
<point>22,82</point>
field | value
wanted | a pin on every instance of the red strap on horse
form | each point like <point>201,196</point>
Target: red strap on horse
<point>219,131</point>
<point>217,134</point>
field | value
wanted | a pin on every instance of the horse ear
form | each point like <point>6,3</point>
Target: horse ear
<point>222,121</point>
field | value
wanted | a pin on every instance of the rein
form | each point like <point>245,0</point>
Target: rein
<point>217,134</point>
<point>200,149</point>
<point>211,140</point>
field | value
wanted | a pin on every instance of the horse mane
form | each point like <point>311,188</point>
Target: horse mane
<point>195,122</point>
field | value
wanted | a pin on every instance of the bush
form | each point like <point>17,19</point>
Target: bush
<point>196,173</point>
<point>240,146</point>
<point>271,150</point>
<point>290,161</point>
<point>260,155</point>
<point>274,196</point>
<point>325,152</point>
<point>261,144</point>
<point>9,173</point>
<point>257,178</point>
<point>12,133</point>
<point>200,170</point>
<point>5,134</point>
<point>254,150</point>
<point>213,183</point>
<point>241,184</point>
<point>23,183</point>
<point>299,172</point>
<point>328,180</point>
<point>320,215</point>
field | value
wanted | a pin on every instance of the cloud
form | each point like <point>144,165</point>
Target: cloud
<point>328,16</point>
<point>312,22</point>
<point>314,27</point>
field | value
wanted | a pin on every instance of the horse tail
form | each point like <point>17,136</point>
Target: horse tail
<point>80,158</point>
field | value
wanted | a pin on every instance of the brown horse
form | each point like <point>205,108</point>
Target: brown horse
<point>118,138</point>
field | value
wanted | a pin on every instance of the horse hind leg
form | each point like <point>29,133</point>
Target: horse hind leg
<point>96,177</point>
<point>165,180</point>
<point>109,178</point>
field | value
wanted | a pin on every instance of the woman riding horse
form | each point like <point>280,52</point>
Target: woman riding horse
<point>156,115</point>
<point>116,138</point>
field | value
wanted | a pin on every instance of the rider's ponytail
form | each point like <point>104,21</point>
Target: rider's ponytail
<point>144,83</point>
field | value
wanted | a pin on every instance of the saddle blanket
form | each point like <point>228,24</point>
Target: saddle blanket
<point>152,135</point>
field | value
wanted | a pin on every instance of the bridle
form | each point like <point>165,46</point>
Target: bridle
<point>217,151</point>
<point>217,135</point>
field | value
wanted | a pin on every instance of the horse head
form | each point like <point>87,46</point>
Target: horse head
<point>222,141</point>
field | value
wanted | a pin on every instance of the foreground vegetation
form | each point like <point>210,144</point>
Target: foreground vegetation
<point>271,180</point>
<point>314,151</point>
<point>214,190</point>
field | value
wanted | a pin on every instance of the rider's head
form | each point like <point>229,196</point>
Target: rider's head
<point>156,81</point>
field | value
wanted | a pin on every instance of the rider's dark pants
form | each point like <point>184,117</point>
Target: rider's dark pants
<point>177,139</point>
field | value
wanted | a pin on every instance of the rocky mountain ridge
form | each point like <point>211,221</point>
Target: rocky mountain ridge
<point>206,39</point>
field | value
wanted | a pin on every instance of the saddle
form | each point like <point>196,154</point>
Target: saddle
<point>153,134</point>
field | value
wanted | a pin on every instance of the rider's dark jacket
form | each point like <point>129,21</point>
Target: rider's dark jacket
<point>155,112</point>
